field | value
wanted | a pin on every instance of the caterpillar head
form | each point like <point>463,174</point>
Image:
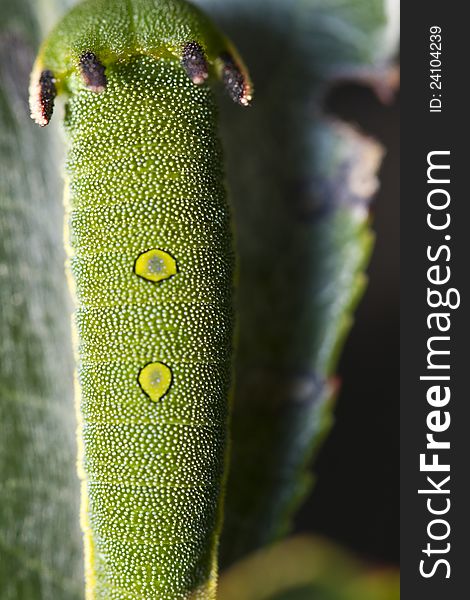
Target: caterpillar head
<point>97,33</point>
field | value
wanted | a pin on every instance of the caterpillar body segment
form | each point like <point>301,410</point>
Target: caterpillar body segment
<point>100,33</point>
<point>151,256</point>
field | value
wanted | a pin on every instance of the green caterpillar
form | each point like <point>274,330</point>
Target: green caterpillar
<point>152,264</point>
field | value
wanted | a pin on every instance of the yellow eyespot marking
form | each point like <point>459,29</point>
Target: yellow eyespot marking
<point>155,265</point>
<point>155,379</point>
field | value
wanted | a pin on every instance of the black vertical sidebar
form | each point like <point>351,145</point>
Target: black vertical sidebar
<point>425,535</point>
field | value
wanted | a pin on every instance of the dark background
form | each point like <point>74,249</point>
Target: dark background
<point>356,496</point>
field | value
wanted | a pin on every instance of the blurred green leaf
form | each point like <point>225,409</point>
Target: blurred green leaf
<point>301,184</point>
<point>40,542</point>
<point>306,568</point>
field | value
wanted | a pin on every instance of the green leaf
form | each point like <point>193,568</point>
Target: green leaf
<point>40,542</point>
<point>301,184</point>
<point>306,568</point>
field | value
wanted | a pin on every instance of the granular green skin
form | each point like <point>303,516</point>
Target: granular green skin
<point>117,29</point>
<point>148,231</point>
<point>144,172</point>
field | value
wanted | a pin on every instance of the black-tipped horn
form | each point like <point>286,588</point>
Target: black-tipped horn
<point>93,72</point>
<point>235,81</point>
<point>43,94</point>
<point>194,63</point>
